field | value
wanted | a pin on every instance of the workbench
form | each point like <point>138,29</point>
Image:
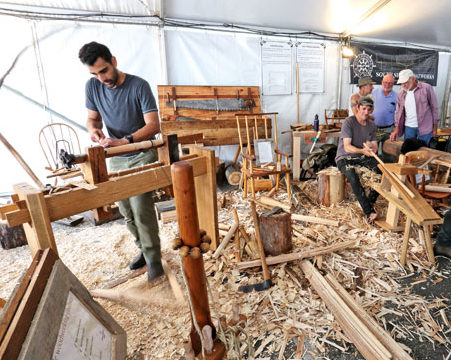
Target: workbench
<point>300,138</point>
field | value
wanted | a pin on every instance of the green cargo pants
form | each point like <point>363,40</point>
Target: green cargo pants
<point>139,211</point>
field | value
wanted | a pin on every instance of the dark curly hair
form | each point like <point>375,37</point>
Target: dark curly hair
<point>90,52</point>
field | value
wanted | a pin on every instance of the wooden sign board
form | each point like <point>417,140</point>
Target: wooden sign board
<point>51,315</point>
<point>216,122</point>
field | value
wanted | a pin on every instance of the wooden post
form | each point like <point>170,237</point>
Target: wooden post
<point>187,217</point>
<point>206,197</point>
<point>95,172</point>
<point>39,231</point>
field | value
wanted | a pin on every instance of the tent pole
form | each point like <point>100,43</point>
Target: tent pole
<point>340,74</point>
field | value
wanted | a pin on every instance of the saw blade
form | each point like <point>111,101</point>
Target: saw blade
<point>214,105</point>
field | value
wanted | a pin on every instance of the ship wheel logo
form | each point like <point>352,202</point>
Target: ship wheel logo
<point>363,65</point>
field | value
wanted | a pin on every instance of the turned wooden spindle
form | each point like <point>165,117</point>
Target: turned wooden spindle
<point>187,217</point>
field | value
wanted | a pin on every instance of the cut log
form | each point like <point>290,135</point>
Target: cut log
<point>262,184</point>
<point>273,202</point>
<point>12,237</point>
<point>276,232</point>
<point>331,186</point>
<point>272,260</point>
<point>233,175</point>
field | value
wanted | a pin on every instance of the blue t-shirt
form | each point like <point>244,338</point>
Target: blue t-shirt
<point>121,108</point>
<point>384,107</point>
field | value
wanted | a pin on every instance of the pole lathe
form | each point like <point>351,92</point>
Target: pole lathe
<point>187,217</point>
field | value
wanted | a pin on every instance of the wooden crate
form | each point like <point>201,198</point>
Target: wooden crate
<point>217,127</point>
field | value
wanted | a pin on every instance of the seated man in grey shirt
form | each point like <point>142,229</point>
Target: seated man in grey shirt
<point>355,147</point>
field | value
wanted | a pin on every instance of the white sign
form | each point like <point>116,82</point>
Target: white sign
<point>276,68</point>
<point>310,57</point>
<point>81,336</point>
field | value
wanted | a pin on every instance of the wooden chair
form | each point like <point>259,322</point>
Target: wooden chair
<point>53,138</point>
<point>334,115</point>
<point>421,159</point>
<point>262,156</point>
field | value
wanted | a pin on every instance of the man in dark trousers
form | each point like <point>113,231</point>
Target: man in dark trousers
<point>355,147</point>
<point>127,107</point>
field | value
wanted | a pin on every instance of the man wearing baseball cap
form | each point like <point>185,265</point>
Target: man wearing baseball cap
<point>356,147</point>
<point>416,114</point>
<point>365,85</point>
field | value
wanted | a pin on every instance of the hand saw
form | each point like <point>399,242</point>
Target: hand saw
<point>214,105</point>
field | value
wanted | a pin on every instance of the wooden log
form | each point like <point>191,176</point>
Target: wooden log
<point>395,349</point>
<point>12,237</point>
<point>262,184</point>
<point>331,186</point>
<point>273,202</point>
<point>276,233</point>
<point>233,175</point>
<point>314,219</point>
<point>365,341</point>
<point>272,260</point>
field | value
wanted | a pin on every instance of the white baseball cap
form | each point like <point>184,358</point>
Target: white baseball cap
<point>404,76</point>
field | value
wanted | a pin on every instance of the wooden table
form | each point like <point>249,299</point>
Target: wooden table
<point>309,137</point>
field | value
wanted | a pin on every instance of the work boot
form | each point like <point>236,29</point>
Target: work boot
<point>442,250</point>
<point>154,270</point>
<point>138,262</point>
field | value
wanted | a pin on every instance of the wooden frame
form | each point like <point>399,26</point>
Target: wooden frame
<point>37,210</point>
<point>33,316</point>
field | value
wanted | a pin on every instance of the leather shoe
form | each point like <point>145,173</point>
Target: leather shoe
<point>138,262</point>
<point>154,270</point>
<point>442,250</point>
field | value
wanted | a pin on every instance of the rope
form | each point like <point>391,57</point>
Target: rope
<point>196,325</point>
<point>229,337</point>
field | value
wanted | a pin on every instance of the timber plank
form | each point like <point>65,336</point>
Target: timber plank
<point>66,203</point>
<point>18,329</point>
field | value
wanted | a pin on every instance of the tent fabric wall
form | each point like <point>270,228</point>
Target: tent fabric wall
<point>168,55</point>
<point>137,49</point>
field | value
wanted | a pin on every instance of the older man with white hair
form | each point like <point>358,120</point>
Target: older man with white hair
<point>416,114</point>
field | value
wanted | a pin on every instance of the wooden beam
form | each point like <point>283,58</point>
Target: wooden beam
<point>384,337</point>
<point>66,203</point>
<point>365,341</point>
<point>38,230</point>
<point>272,260</point>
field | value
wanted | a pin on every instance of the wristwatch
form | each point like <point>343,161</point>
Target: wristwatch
<point>129,138</point>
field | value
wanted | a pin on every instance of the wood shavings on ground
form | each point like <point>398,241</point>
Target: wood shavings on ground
<point>288,321</point>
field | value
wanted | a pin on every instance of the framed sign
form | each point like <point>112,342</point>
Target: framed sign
<point>51,315</point>
<point>264,151</point>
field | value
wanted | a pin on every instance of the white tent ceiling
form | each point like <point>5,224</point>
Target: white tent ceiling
<point>407,21</point>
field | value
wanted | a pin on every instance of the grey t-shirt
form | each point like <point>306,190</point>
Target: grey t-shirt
<point>358,133</point>
<point>121,108</point>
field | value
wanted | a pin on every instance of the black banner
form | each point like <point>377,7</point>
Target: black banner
<point>378,60</point>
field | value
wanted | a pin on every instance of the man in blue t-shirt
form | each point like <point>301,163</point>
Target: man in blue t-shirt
<point>125,104</point>
<point>385,104</point>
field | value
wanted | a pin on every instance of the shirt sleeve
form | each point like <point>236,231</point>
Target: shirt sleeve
<point>146,98</point>
<point>90,104</point>
<point>432,99</point>
<point>346,129</point>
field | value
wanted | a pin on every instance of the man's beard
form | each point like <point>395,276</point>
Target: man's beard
<point>111,83</point>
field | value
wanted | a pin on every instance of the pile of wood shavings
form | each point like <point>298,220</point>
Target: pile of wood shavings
<point>157,330</point>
